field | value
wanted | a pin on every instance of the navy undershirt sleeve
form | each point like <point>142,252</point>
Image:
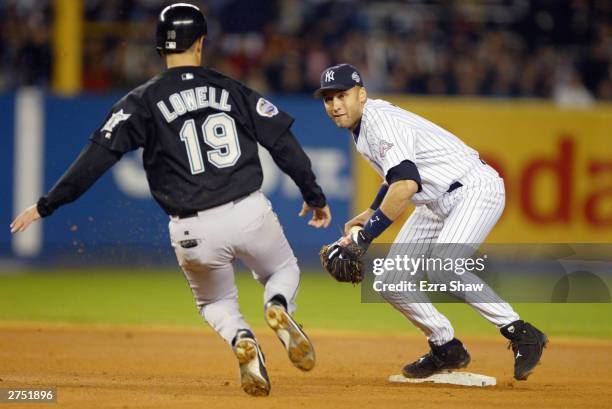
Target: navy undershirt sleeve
<point>406,170</point>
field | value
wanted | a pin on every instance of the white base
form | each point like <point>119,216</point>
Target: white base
<point>450,378</point>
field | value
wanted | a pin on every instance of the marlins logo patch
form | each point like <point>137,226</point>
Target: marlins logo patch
<point>113,121</point>
<point>266,108</point>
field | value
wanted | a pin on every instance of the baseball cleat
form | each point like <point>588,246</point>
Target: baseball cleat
<point>299,348</point>
<point>451,355</point>
<point>527,343</point>
<point>253,374</point>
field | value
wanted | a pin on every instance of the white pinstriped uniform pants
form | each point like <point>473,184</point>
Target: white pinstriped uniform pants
<point>464,216</point>
<point>248,230</point>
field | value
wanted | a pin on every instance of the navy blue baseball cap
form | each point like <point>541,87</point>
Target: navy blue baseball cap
<point>339,77</point>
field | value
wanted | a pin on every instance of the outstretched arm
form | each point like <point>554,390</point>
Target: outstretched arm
<point>271,128</point>
<point>91,163</point>
<point>291,159</point>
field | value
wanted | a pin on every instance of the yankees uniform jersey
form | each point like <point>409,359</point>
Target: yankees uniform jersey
<point>459,200</point>
<point>389,135</point>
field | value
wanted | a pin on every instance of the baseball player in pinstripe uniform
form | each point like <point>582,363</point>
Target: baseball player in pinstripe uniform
<point>458,199</point>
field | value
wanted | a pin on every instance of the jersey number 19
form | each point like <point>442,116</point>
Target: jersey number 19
<point>219,131</point>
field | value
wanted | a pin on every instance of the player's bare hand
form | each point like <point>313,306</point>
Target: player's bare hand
<point>26,218</point>
<point>321,216</point>
<point>350,236</point>
<point>345,241</point>
<point>359,220</point>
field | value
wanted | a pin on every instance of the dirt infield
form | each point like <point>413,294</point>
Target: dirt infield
<point>142,367</point>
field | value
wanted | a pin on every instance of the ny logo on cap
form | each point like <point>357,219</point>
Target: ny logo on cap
<point>329,76</point>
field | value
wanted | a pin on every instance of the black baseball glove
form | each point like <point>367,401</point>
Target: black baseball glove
<point>344,262</point>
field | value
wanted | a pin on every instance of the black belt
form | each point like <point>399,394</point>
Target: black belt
<point>453,186</point>
<point>194,214</point>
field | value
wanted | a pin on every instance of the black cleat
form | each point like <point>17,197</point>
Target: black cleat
<point>451,355</point>
<point>253,375</point>
<point>527,343</point>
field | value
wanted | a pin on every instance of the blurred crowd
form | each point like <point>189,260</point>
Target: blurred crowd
<point>503,48</point>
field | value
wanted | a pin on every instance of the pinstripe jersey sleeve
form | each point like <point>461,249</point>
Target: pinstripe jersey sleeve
<point>390,142</point>
<point>390,135</point>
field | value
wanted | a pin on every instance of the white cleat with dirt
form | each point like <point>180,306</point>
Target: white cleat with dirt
<point>299,348</point>
<point>253,374</point>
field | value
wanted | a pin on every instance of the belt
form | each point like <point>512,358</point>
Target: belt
<point>195,213</point>
<point>453,186</point>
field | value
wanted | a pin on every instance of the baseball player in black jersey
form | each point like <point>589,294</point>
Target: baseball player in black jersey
<point>200,130</point>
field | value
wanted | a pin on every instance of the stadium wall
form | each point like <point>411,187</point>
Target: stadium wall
<point>557,165</point>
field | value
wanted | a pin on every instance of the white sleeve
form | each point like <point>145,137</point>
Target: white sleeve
<point>395,142</point>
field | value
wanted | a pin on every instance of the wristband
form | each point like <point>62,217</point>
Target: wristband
<point>379,196</point>
<point>377,224</point>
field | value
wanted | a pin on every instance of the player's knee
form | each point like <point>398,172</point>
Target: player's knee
<point>387,285</point>
<point>288,268</point>
<point>392,297</point>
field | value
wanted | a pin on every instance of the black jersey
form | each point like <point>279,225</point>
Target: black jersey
<point>199,130</point>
